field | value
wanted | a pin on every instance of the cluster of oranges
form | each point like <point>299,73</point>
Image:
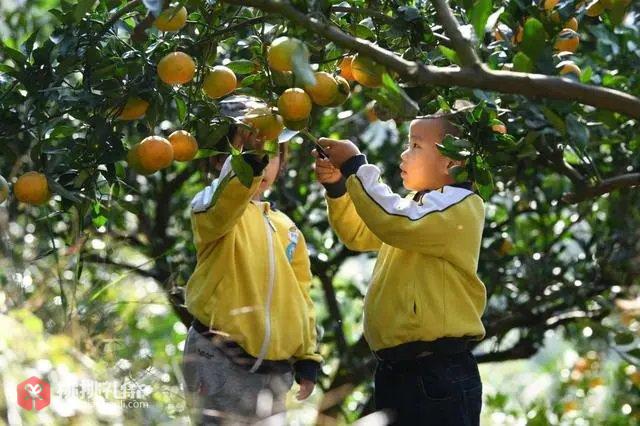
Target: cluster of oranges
<point>567,40</point>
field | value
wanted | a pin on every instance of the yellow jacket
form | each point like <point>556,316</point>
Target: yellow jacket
<point>424,284</point>
<point>252,276</point>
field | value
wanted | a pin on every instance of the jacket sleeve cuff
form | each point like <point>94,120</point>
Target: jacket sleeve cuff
<point>336,189</point>
<point>351,166</point>
<point>257,163</point>
<point>306,369</point>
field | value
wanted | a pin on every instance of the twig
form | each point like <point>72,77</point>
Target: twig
<point>606,186</point>
<point>463,46</point>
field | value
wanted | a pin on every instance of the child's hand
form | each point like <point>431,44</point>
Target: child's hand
<point>248,139</point>
<point>306,388</point>
<point>325,171</point>
<point>338,151</point>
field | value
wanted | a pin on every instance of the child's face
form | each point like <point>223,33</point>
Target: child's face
<point>423,166</point>
<point>270,174</point>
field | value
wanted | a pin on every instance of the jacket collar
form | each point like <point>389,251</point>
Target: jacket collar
<point>468,185</point>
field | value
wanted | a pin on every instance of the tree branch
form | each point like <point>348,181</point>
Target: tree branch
<point>463,46</point>
<point>530,85</point>
<point>606,186</point>
<point>366,11</point>
<point>93,258</point>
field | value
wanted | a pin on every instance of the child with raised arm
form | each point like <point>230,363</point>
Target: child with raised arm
<point>425,301</point>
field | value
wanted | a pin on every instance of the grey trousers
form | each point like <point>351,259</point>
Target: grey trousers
<point>221,393</point>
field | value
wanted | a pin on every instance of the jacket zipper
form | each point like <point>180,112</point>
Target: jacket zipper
<point>272,272</point>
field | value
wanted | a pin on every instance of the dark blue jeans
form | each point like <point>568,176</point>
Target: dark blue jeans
<point>443,390</point>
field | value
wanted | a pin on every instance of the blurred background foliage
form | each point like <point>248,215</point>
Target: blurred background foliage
<point>91,281</point>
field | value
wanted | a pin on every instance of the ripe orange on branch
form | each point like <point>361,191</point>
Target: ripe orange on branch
<point>344,91</point>
<point>184,145</point>
<point>171,19</point>
<point>268,124</point>
<point>345,68</point>
<point>155,153</point>
<point>32,188</point>
<point>367,72</point>
<point>324,91</point>
<point>176,68</point>
<point>134,109</point>
<point>281,52</point>
<point>294,105</point>
<point>220,81</point>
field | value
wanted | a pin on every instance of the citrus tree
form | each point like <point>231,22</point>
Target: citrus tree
<point>112,118</point>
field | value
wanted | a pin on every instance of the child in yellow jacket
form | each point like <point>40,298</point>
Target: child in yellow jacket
<point>254,328</point>
<point>425,300</point>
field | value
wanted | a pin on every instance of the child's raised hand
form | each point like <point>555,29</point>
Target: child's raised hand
<point>248,139</point>
<point>325,171</point>
<point>306,388</point>
<point>338,151</point>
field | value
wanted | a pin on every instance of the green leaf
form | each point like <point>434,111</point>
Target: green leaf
<point>301,67</point>
<point>15,55</point>
<point>450,54</point>
<point>205,153</point>
<point>242,170</point>
<point>181,107</point>
<point>534,38</point>
<point>364,32</point>
<point>624,338</point>
<point>82,8</point>
<point>522,63</point>
<point>479,15</point>
<point>242,66</point>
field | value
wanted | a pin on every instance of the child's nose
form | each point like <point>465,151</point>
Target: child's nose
<point>403,155</point>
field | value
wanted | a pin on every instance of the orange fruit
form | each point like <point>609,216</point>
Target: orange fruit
<point>567,41</point>
<point>567,67</point>
<point>134,109</point>
<point>595,9</point>
<point>595,382</point>
<point>549,4</point>
<point>282,51</point>
<point>572,24</point>
<point>4,190</point>
<point>345,68</point>
<point>497,34</point>
<point>268,124</point>
<point>176,68</point>
<point>171,19</point>
<point>220,81</point>
<point>133,159</point>
<point>366,71</point>
<point>184,145</point>
<point>635,378</point>
<point>32,188</point>
<point>344,91</point>
<point>155,153</point>
<point>294,105</point>
<point>499,128</point>
<point>325,90</point>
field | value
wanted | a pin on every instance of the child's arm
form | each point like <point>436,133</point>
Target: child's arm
<point>216,209</point>
<point>308,359</point>
<point>344,219</point>
<point>426,226</point>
